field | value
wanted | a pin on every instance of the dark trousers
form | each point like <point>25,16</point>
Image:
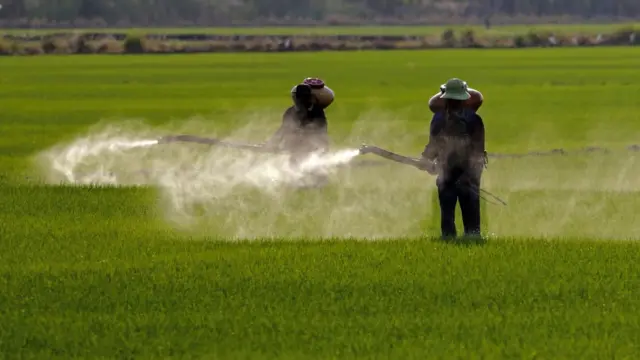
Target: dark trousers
<point>468,194</point>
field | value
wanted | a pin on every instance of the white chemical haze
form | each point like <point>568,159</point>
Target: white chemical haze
<point>241,194</point>
<point>196,181</point>
<point>264,174</point>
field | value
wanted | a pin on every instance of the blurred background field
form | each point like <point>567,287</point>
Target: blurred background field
<point>286,39</point>
<point>591,29</point>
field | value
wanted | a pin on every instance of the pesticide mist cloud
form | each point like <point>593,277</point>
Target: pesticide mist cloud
<point>239,194</point>
<point>197,182</point>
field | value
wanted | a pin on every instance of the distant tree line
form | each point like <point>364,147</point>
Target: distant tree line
<point>247,12</point>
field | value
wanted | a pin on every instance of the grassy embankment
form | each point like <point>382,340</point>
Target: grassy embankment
<point>336,38</point>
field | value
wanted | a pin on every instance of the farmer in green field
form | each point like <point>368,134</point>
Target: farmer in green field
<point>456,154</point>
<point>304,124</point>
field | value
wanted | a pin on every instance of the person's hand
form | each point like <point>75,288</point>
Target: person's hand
<point>428,166</point>
<point>475,101</point>
<point>480,161</point>
<point>477,164</point>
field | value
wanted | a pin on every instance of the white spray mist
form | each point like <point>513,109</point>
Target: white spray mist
<point>196,181</point>
<point>241,194</point>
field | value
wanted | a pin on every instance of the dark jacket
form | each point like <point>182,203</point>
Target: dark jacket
<point>457,145</point>
<point>302,130</point>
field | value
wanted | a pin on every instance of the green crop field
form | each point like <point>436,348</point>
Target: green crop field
<point>589,29</point>
<point>189,251</point>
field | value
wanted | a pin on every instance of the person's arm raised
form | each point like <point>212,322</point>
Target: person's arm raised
<point>475,101</point>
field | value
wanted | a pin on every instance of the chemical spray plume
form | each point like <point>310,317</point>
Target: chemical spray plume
<point>237,194</point>
<point>79,153</point>
<point>85,160</point>
<point>191,178</point>
<point>321,162</point>
<point>85,150</point>
<point>88,158</point>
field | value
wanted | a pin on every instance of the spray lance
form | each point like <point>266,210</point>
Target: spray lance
<point>214,141</point>
<point>422,165</point>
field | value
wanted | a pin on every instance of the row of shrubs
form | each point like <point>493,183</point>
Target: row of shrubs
<point>105,43</point>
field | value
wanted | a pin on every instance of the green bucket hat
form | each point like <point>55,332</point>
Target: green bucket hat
<point>455,89</point>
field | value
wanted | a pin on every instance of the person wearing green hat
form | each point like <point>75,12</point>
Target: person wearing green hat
<point>474,102</point>
<point>456,154</point>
